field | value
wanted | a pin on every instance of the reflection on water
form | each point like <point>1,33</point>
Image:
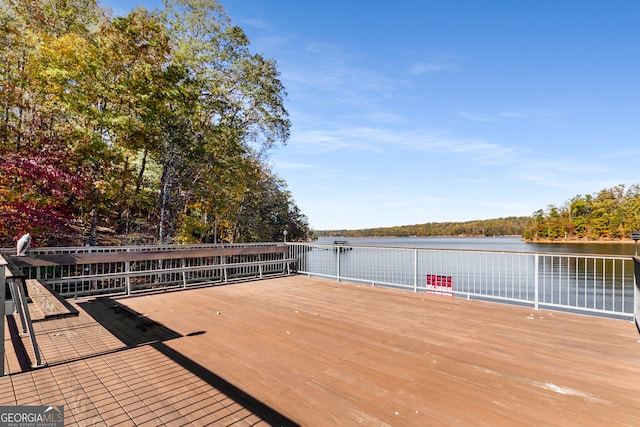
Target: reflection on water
<point>508,244</point>
<point>585,276</point>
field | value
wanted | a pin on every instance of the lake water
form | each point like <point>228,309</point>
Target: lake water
<point>507,244</point>
<point>596,277</point>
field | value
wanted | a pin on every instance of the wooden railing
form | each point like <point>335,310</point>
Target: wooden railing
<point>74,274</point>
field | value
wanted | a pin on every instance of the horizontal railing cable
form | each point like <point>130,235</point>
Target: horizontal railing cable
<point>594,284</point>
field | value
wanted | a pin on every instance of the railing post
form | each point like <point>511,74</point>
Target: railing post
<point>20,298</point>
<point>536,281</point>
<point>415,270</point>
<point>184,274</point>
<point>127,269</point>
<point>3,291</point>
<point>285,255</point>
<point>339,251</point>
<point>17,300</point>
<point>636,291</point>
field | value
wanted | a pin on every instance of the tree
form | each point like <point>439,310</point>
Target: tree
<point>37,196</point>
<point>226,103</point>
<point>612,213</point>
<point>157,118</point>
<point>41,182</point>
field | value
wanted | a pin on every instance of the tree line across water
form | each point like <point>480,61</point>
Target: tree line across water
<point>611,214</point>
<point>154,126</point>
<point>489,227</point>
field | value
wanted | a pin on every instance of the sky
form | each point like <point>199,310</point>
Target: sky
<point>419,111</point>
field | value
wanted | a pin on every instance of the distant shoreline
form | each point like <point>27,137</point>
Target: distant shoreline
<point>582,241</point>
<point>541,241</point>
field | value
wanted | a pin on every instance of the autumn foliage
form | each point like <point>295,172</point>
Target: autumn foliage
<point>149,127</point>
<point>37,195</point>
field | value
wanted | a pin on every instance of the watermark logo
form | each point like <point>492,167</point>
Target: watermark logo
<point>31,416</point>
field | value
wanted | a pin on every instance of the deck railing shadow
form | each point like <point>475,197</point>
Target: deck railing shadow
<point>135,330</point>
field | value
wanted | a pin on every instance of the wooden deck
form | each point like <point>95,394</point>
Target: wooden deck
<point>305,351</point>
<point>46,303</point>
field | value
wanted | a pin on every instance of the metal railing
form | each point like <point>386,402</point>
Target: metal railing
<point>588,283</point>
<point>12,283</point>
<point>602,285</point>
<point>135,273</point>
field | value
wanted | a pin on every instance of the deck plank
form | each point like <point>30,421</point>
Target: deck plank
<point>323,352</point>
<point>45,303</point>
<point>298,350</point>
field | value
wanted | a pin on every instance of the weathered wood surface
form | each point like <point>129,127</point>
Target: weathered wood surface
<point>325,353</point>
<point>106,257</point>
<point>46,304</point>
<point>12,270</point>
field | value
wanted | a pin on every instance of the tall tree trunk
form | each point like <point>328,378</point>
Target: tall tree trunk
<point>93,233</point>
<point>141,173</point>
<point>167,187</point>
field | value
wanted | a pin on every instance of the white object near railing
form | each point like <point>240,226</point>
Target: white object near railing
<point>602,285</point>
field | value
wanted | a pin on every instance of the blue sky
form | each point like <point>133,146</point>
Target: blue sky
<point>420,111</point>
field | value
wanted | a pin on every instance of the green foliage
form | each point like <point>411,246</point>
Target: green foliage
<point>157,122</point>
<point>611,214</point>
<point>509,226</point>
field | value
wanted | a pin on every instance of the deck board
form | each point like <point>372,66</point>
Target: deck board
<point>45,303</point>
<point>298,350</point>
<point>324,352</point>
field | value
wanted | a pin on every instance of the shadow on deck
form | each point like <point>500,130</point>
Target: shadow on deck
<point>298,350</point>
<point>135,330</point>
<point>110,365</point>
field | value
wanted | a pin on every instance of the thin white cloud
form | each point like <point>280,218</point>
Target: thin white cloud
<point>529,113</point>
<point>492,117</point>
<point>476,117</point>
<point>326,141</point>
<point>434,65</point>
<point>267,38</point>
<point>380,140</point>
<point>513,115</point>
<point>256,23</point>
<point>330,76</point>
<point>562,175</point>
<point>511,164</point>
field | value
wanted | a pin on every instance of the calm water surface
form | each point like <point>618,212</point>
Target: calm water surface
<point>508,244</point>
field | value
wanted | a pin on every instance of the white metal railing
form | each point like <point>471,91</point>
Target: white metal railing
<point>595,284</point>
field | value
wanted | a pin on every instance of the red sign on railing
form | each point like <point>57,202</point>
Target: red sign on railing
<point>439,285</point>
